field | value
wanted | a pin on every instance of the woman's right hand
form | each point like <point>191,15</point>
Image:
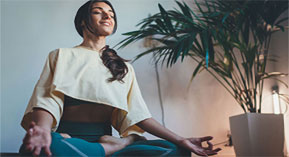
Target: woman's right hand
<point>37,138</point>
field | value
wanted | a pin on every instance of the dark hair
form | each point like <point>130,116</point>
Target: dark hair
<point>109,56</point>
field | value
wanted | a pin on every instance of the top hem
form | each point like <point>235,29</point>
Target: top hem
<point>99,102</point>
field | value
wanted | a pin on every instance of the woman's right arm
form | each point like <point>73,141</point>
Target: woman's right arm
<point>43,110</point>
<point>42,118</point>
<point>38,134</point>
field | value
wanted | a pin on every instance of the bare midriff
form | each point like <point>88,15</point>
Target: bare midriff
<point>88,113</point>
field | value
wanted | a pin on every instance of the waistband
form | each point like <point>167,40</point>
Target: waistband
<point>70,101</point>
<point>85,130</point>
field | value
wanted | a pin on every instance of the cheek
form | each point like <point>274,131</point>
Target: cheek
<point>95,18</point>
<point>113,24</point>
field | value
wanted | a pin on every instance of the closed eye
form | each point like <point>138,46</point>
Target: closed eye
<point>100,13</point>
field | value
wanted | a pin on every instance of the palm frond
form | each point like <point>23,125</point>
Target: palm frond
<point>229,39</point>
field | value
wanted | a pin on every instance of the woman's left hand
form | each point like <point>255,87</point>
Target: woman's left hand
<point>195,146</point>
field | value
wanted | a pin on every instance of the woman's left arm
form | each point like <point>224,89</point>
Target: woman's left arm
<point>153,127</point>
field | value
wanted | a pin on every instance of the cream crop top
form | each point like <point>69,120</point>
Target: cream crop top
<point>80,73</point>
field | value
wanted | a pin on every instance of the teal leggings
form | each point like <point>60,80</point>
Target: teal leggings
<point>83,143</point>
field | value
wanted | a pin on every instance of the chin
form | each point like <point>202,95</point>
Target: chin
<point>105,32</point>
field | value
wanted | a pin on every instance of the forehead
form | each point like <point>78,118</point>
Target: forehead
<point>101,5</point>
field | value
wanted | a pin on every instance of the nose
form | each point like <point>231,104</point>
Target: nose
<point>106,15</point>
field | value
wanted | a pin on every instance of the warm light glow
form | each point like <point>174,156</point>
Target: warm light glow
<point>276,102</point>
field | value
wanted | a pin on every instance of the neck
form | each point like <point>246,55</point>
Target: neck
<point>93,42</point>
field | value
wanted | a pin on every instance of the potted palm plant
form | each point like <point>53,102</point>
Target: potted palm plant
<point>230,40</point>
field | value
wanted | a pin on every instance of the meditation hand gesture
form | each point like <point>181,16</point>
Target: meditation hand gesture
<point>37,138</point>
<point>195,146</point>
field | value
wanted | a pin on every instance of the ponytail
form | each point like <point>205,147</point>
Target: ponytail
<point>114,63</point>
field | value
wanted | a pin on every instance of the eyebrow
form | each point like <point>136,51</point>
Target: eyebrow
<point>101,9</point>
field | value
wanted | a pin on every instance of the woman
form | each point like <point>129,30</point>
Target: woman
<point>84,90</point>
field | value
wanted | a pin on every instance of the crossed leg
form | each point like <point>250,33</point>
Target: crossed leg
<point>64,145</point>
<point>157,147</point>
<point>112,144</point>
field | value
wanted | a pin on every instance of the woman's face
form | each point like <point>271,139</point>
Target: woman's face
<point>102,18</point>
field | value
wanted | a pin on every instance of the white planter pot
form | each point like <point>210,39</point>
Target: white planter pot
<point>256,134</point>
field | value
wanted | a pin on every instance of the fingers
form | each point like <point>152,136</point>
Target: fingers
<point>27,142</point>
<point>201,153</point>
<point>37,151</point>
<point>30,131</point>
<point>209,149</point>
<point>28,136</point>
<point>32,128</point>
<point>29,147</point>
<point>218,149</point>
<point>32,124</point>
<point>210,146</point>
<point>27,139</point>
<point>47,151</point>
<point>36,139</point>
<point>213,152</point>
<point>206,138</point>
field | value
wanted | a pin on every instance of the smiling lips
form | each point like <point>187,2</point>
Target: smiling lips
<point>106,23</point>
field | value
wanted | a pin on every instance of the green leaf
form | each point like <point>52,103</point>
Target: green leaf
<point>165,41</point>
<point>166,19</point>
<point>225,17</point>
<point>281,27</point>
<point>196,70</point>
<point>161,24</point>
<point>195,73</point>
<point>188,45</point>
<point>162,48</point>
<point>281,20</point>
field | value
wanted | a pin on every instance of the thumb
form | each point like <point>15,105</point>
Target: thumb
<point>32,124</point>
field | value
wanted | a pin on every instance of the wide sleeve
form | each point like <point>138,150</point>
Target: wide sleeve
<point>137,110</point>
<point>44,96</point>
